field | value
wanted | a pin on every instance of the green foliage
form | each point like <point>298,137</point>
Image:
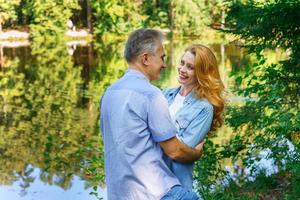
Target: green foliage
<point>269,114</point>
<point>294,187</point>
<point>284,185</point>
<point>183,17</point>
<point>208,169</point>
<point>7,10</point>
<point>50,17</point>
<point>158,13</point>
<point>111,66</point>
<point>116,16</point>
<point>268,24</point>
<point>189,17</point>
<point>272,89</point>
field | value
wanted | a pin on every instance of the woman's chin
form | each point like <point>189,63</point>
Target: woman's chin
<point>180,81</point>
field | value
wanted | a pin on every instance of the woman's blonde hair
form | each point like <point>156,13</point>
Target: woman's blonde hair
<point>209,83</point>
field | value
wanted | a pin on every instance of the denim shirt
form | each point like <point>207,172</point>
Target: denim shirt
<point>194,120</point>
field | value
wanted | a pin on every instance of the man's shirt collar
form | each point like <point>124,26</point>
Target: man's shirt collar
<point>136,73</point>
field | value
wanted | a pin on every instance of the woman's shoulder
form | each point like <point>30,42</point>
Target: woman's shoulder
<point>204,104</point>
<point>170,91</point>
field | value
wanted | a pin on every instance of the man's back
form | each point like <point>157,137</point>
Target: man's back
<point>134,119</point>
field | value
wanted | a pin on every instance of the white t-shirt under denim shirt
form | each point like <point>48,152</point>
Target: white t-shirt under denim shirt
<point>175,106</point>
<point>193,120</point>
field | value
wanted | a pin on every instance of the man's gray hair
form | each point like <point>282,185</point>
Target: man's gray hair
<point>140,41</point>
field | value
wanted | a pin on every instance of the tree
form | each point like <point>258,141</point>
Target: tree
<point>272,89</point>
<point>157,13</point>
<point>269,117</point>
<point>190,17</point>
<point>50,17</point>
<point>7,10</point>
<point>89,15</point>
<point>116,16</point>
<point>183,17</point>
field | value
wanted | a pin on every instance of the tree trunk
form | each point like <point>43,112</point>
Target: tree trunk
<point>223,20</point>
<point>157,3</point>
<point>1,57</point>
<point>89,15</point>
<point>24,20</point>
<point>171,16</point>
<point>172,61</point>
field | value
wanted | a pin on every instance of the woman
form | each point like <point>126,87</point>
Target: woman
<point>197,105</point>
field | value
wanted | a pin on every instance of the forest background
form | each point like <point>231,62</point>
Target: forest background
<point>267,120</point>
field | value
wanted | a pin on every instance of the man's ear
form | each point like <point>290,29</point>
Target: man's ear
<point>145,59</point>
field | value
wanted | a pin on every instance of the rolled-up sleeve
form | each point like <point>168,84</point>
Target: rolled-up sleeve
<point>159,119</point>
<point>198,128</point>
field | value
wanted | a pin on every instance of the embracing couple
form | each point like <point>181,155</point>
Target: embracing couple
<point>152,138</point>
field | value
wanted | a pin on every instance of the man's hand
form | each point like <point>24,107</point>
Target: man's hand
<point>199,147</point>
<point>181,152</point>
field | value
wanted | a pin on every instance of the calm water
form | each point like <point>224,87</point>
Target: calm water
<point>50,146</point>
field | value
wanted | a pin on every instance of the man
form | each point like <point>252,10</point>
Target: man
<point>137,129</point>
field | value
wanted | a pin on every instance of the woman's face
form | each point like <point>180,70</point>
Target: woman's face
<point>186,70</point>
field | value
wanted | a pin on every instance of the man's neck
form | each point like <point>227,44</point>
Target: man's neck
<point>138,67</point>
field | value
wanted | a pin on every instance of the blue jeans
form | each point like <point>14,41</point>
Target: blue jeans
<point>178,192</point>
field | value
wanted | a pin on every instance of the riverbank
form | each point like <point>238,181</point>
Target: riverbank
<point>17,35</point>
<point>14,35</point>
<point>17,38</point>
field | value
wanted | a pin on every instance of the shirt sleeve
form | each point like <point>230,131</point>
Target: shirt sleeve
<point>159,119</point>
<point>165,92</point>
<point>101,117</point>
<point>198,128</point>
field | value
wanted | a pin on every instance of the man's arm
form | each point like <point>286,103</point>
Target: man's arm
<point>181,152</point>
<point>163,131</point>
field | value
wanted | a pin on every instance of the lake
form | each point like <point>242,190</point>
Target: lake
<point>50,144</point>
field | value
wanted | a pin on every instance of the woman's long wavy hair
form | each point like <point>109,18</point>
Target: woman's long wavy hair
<point>209,83</point>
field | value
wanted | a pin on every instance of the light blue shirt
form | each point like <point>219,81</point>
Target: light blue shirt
<point>134,119</point>
<point>194,120</point>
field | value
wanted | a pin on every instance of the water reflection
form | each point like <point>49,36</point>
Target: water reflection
<point>43,124</point>
<point>43,191</point>
<point>49,112</point>
<point>261,163</point>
